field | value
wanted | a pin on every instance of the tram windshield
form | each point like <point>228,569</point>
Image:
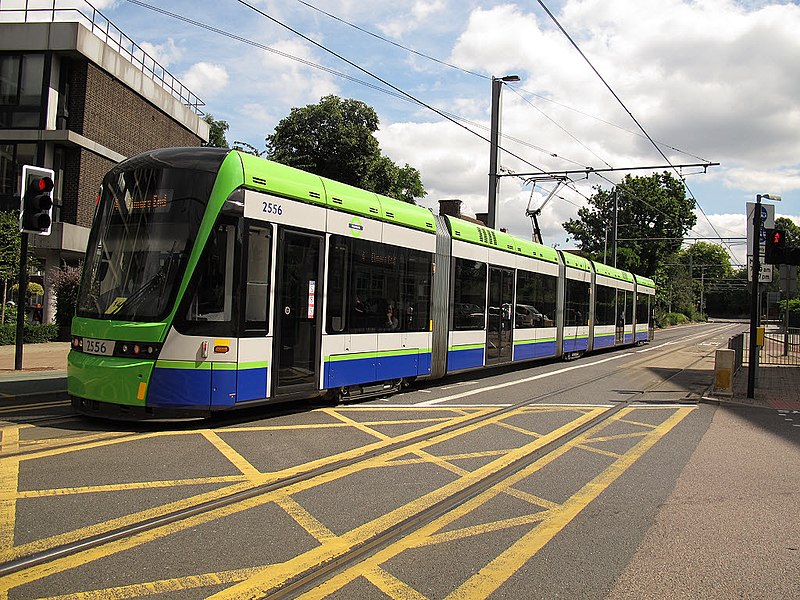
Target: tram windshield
<point>148,216</point>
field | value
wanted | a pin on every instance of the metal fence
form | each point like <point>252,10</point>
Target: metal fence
<point>80,11</point>
<point>781,346</point>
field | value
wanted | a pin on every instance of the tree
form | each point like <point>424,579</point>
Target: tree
<point>216,134</point>
<point>792,231</point>
<point>334,139</point>
<point>654,214</point>
<point>9,254</point>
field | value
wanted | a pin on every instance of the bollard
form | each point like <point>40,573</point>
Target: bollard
<point>723,372</point>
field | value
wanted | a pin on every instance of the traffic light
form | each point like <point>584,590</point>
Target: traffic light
<point>775,247</point>
<point>36,204</point>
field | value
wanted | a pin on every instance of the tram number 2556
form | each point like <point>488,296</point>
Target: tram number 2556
<point>272,209</point>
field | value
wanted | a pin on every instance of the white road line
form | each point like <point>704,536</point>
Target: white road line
<point>519,381</point>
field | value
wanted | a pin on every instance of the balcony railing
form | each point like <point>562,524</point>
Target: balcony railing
<point>80,11</point>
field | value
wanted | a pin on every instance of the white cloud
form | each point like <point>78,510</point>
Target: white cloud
<point>206,79</point>
<point>165,54</point>
<point>289,81</point>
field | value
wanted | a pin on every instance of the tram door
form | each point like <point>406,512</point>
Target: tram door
<point>298,307</point>
<point>501,306</point>
<point>619,330</point>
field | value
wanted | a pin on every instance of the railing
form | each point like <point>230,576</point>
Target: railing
<point>781,346</point>
<point>80,11</point>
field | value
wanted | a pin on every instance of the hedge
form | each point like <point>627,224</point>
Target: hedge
<point>34,334</point>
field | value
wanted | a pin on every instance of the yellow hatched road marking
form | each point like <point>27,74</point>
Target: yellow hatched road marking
<point>9,478</point>
<point>357,425</point>
<point>488,579</point>
<point>125,487</point>
<point>162,586</point>
<point>277,575</point>
<point>392,586</point>
<point>599,451</point>
<point>621,436</point>
<point>305,519</point>
<point>236,459</point>
<point>63,564</point>
<point>493,575</point>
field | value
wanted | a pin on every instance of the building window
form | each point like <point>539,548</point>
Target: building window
<point>21,77</point>
<point>12,157</point>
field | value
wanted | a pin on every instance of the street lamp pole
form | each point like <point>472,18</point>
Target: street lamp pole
<point>494,141</point>
<point>755,249</point>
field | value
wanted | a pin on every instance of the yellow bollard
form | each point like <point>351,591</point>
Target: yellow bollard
<point>723,372</point>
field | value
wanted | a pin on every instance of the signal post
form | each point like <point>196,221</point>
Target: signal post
<point>35,216</point>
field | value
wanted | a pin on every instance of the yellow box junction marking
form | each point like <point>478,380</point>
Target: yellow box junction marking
<point>257,580</point>
<point>550,522</point>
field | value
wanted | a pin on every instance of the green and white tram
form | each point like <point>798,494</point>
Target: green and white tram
<point>216,280</point>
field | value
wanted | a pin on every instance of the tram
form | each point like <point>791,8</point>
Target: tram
<point>216,280</point>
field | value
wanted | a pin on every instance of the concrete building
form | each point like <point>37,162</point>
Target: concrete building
<point>77,95</point>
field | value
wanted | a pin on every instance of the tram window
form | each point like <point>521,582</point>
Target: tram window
<point>374,288</point>
<point>536,300</point>
<point>469,295</point>
<point>257,277</point>
<point>605,306</point>
<point>576,304</point>
<point>338,271</point>
<point>210,309</point>
<point>642,308</point>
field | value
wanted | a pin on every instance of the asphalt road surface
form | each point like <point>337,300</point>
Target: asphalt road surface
<point>554,481</point>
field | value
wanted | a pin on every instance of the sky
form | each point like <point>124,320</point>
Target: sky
<point>707,80</point>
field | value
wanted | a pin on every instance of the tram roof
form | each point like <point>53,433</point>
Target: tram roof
<point>613,272</point>
<point>492,238</point>
<point>645,281</point>
<point>274,178</point>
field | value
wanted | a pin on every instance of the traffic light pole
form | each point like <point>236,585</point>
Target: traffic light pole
<point>21,295</point>
<point>752,360</point>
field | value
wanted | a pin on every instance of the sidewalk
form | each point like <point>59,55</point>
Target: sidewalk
<point>44,370</point>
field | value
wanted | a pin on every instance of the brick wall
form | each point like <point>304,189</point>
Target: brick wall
<point>121,120</point>
<point>111,114</point>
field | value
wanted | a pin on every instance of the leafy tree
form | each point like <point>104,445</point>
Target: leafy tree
<point>216,135</point>
<point>9,254</point>
<point>654,214</point>
<point>334,139</point>
<point>792,231</point>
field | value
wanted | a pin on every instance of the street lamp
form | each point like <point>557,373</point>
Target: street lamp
<point>755,248</point>
<point>494,136</point>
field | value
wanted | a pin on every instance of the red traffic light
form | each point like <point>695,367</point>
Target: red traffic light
<point>45,184</point>
<point>777,236</point>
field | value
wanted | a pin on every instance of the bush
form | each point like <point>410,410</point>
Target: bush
<point>34,334</point>
<point>669,319</point>
<point>66,281</point>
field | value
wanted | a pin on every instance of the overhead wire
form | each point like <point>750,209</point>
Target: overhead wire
<point>392,42</point>
<point>627,110</point>
<point>392,91</point>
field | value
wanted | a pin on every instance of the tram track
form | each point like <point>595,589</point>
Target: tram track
<point>73,548</point>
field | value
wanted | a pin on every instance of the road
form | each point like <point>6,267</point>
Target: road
<point>543,482</point>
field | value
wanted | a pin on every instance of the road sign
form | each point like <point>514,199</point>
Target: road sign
<point>767,222</point>
<point>765,273</point>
